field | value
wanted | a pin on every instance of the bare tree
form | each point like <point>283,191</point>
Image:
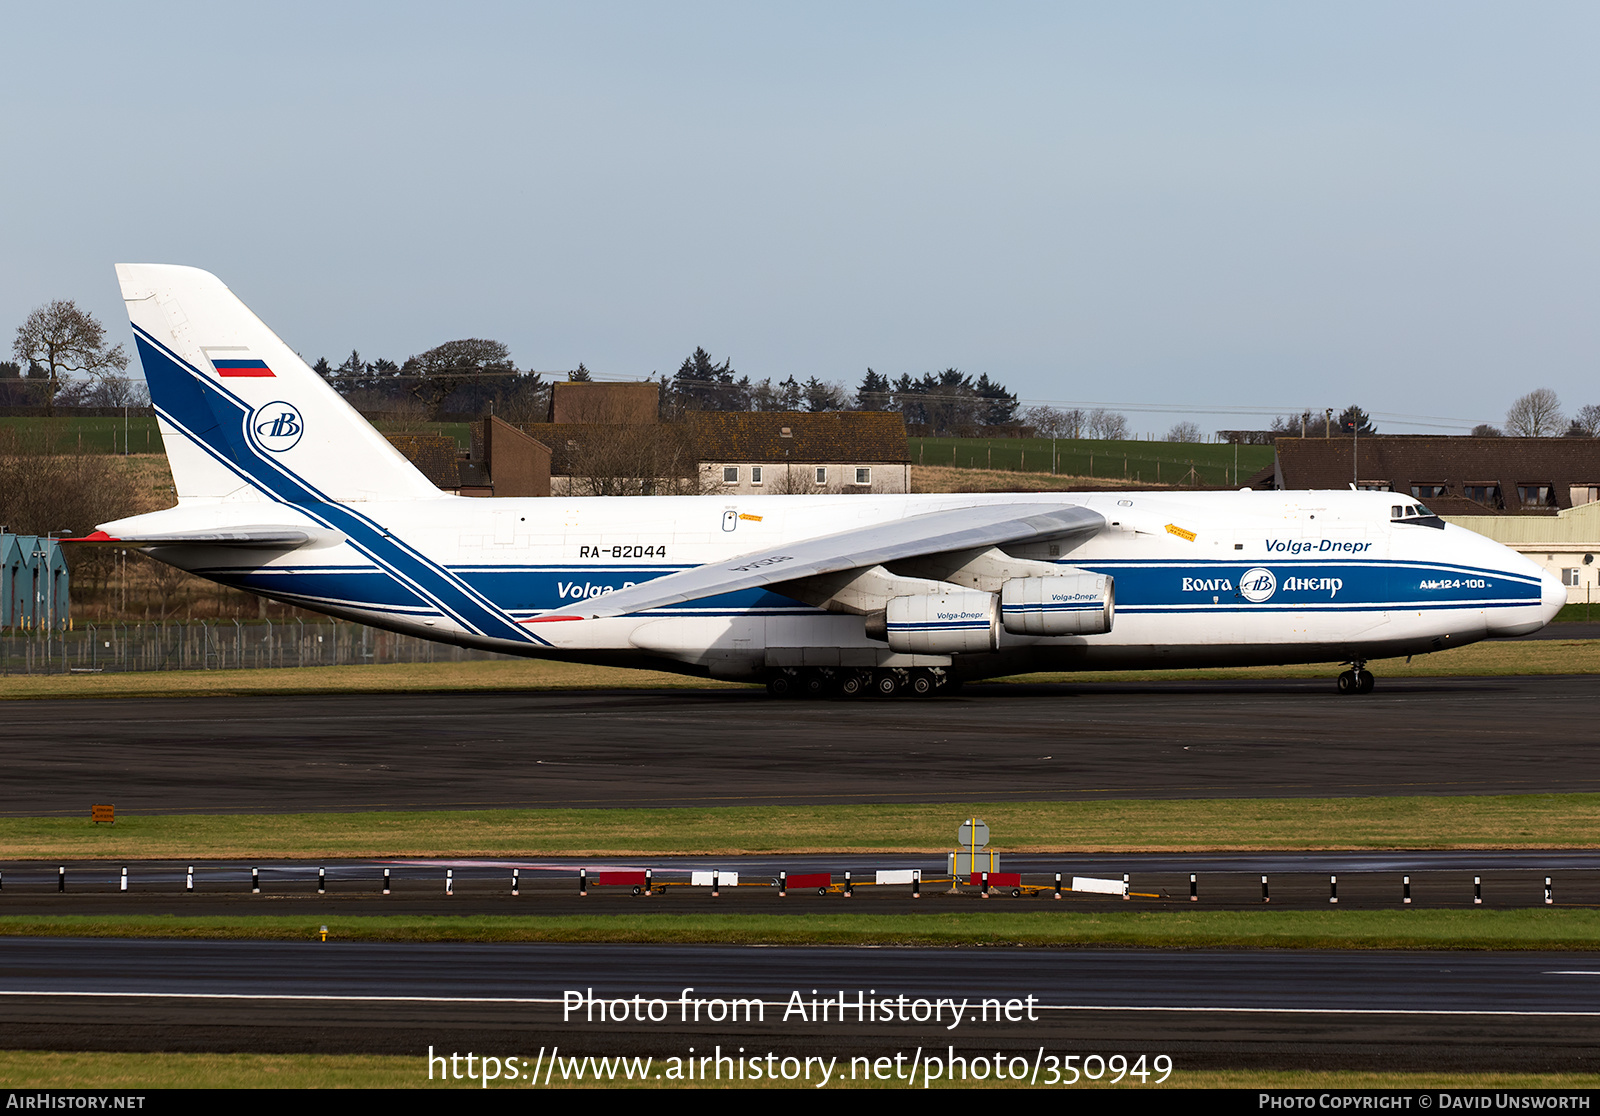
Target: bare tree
<point>798,479</point>
<point>44,491</point>
<point>1107,425</point>
<point>60,338</point>
<point>1536,415</point>
<point>822,396</point>
<point>118,391</point>
<point>446,369</point>
<point>1052,422</point>
<point>1184,432</point>
<point>1586,424</point>
<point>639,460</point>
<point>1486,430</point>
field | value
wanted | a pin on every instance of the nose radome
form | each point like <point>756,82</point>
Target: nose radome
<point>1554,596</point>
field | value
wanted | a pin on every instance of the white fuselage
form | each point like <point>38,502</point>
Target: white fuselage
<point>1201,579</point>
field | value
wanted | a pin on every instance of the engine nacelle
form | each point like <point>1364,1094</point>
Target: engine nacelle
<point>1068,604</point>
<point>943,624</point>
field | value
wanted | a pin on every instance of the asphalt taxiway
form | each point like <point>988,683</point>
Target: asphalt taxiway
<point>996,742</point>
<point>1434,1010</point>
<point>1326,1010</point>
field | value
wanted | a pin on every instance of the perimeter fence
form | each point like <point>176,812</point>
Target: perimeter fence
<point>218,645</point>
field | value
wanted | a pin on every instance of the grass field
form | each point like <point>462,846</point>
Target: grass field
<point>463,677</point>
<point>1489,659</point>
<point>945,478</point>
<point>139,433</point>
<point>32,1069</point>
<point>1102,825</point>
<point>1159,463</point>
<point>1053,925</point>
<point>92,435</point>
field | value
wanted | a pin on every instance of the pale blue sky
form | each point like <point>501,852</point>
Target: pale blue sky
<point>1177,206</point>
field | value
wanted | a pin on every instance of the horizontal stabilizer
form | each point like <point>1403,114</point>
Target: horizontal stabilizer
<point>274,538</point>
<point>915,536</point>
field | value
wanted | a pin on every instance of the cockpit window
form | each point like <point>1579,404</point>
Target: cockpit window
<point>1419,514</point>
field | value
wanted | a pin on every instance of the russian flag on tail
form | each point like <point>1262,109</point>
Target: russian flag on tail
<point>240,367</point>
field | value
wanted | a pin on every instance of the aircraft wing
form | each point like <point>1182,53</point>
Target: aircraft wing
<point>276,538</point>
<point>930,533</point>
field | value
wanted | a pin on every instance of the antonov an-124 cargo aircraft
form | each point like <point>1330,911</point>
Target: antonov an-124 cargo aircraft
<point>285,491</point>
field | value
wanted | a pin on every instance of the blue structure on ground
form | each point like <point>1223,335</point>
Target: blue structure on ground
<point>34,584</point>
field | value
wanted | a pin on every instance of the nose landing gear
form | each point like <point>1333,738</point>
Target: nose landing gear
<point>1357,680</point>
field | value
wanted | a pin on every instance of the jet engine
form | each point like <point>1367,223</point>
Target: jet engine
<point>940,624</point>
<point>1071,604</point>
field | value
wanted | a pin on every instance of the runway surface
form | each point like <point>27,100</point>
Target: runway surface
<point>1373,1010</point>
<point>624,748</point>
<point>1511,735</point>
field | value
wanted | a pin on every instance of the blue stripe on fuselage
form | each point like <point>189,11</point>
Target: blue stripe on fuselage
<point>1147,588</point>
<point>1309,585</point>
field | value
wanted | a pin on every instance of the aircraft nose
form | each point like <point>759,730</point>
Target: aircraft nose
<point>1554,596</point>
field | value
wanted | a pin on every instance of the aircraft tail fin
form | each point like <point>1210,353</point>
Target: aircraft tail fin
<point>240,413</point>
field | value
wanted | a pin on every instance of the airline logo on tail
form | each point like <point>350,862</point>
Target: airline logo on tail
<point>278,426</point>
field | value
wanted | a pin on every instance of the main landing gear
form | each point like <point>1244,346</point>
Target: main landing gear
<point>814,682</point>
<point>1357,680</point>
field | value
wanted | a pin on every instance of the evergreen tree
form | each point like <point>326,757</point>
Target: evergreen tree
<point>700,383</point>
<point>1356,421</point>
<point>1000,406</point>
<point>351,376</point>
<point>874,393</point>
<point>822,397</point>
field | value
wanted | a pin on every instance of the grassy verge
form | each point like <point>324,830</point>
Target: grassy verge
<point>383,678</point>
<point>1553,656</point>
<point>32,1069</point>
<point>944,478</point>
<point>1109,825</point>
<point>1055,926</point>
<point>1480,660</point>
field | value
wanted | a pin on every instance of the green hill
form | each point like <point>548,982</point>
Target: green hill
<point>1199,463</point>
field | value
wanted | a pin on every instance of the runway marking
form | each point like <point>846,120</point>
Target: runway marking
<point>256,996</point>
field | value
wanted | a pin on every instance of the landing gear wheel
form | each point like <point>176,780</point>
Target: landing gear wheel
<point>886,684</point>
<point>1356,680</point>
<point>922,684</point>
<point>813,684</point>
<point>780,686</point>
<point>854,685</point>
